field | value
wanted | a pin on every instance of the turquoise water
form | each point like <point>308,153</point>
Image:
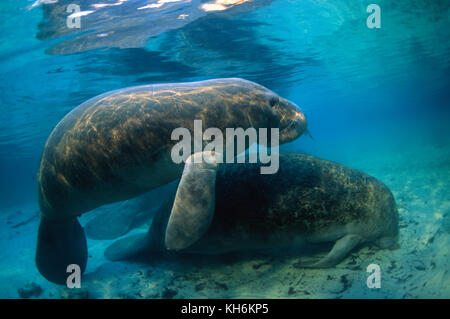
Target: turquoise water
<point>375,99</point>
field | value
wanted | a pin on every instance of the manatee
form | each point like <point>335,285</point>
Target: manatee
<point>116,220</point>
<point>308,201</point>
<point>117,145</point>
<point>127,24</point>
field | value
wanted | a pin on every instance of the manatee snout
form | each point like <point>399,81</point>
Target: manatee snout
<point>293,121</point>
<point>266,109</point>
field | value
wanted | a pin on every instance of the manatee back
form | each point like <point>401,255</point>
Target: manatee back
<point>117,145</point>
<point>97,152</point>
<point>306,196</point>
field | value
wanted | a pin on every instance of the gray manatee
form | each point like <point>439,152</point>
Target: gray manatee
<point>113,221</point>
<point>118,145</point>
<point>309,200</point>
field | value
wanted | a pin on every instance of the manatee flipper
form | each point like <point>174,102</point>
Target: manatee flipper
<point>144,217</point>
<point>111,223</point>
<point>116,221</point>
<point>59,244</point>
<point>339,251</point>
<point>143,244</point>
<point>194,204</point>
<point>128,247</point>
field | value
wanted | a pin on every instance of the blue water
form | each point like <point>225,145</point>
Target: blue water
<point>375,99</point>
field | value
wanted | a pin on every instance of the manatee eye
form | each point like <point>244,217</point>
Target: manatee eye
<point>273,101</point>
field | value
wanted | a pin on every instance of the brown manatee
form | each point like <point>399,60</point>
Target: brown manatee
<point>118,145</point>
<point>309,200</point>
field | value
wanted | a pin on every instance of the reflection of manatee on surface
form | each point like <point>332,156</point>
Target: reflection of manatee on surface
<point>195,50</point>
<point>308,201</point>
<point>128,24</point>
<point>118,145</point>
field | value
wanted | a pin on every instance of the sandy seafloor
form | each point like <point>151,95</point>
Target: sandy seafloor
<point>418,177</point>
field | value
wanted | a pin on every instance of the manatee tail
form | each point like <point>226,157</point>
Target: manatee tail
<point>59,244</point>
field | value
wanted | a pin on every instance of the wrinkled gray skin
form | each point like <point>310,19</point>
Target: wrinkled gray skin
<point>309,200</point>
<point>118,145</point>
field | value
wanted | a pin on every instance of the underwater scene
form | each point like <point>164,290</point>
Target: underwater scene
<point>224,149</point>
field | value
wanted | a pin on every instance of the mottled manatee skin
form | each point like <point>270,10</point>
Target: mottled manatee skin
<point>117,145</point>
<point>308,200</point>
